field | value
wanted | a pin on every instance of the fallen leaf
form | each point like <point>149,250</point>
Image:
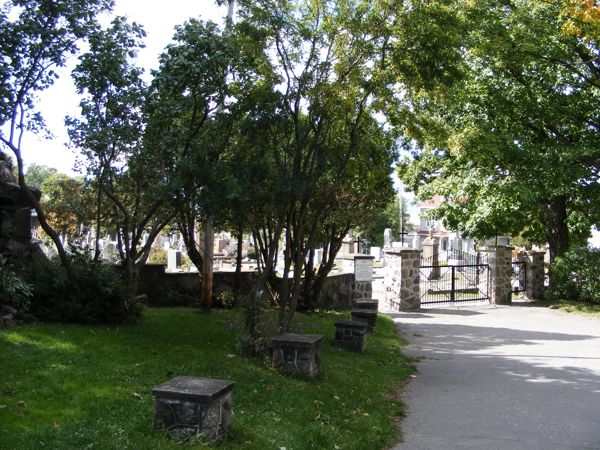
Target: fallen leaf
<point>22,404</point>
<point>336,397</point>
<point>136,395</point>
<point>270,386</point>
<point>56,425</point>
<point>230,355</point>
<point>366,414</point>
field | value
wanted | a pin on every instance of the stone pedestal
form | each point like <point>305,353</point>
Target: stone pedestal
<point>350,334</point>
<point>365,315</point>
<point>190,407</point>
<point>297,354</point>
<point>500,262</point>
<point>535,275</point>
<point>363,277</point>
<point>367,304</point>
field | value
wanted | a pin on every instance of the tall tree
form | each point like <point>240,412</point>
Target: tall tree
<point>327,64</point>
<point>508,134</point>
<point>36,37</point>
<point>131,178</point>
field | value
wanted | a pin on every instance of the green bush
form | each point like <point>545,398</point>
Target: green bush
<point>100,294</point>
<point>575,275</point>
<point>14,290</point>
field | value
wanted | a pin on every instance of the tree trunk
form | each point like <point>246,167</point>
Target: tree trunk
<point>207,267</point>
<point>237,286</point>
<point>558,231</point>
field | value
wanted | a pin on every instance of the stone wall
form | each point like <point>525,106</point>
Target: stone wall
<point>183,288</point>
<point>338,292</point>
<point>15,219</point>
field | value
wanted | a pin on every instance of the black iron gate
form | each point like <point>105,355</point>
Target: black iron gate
<point>454,277</point>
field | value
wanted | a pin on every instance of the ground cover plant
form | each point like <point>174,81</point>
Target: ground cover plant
<point>74,386</point>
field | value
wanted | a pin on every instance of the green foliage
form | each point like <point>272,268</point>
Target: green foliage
<point>508,134</point>
<point>100,295</point>
<point>575,275</point>
<point>97,383</point>
<point>373,226</point>
<point>14,290</point>
<point>158,256</point>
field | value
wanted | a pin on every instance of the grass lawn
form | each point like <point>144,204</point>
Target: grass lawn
<point>84,387</point>
<point>581,308</point>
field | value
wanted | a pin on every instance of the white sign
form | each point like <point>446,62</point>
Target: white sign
<point>363,270</point>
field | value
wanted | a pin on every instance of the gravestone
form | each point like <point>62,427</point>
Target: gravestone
<point>387,238</point>
<point>192,407</point>
<point>173,260</point>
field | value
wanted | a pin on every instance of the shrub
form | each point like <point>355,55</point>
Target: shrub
<point>100,294</point>
<point>158,256</point>
<point>575,275</point>
<point>14,290</point>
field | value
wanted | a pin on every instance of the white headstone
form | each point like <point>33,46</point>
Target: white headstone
<point>376,252</point>
<point>318,256</point>
<point>173,260</point>
<point>387,237</point>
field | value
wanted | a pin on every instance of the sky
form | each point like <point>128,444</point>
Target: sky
<point>159,19</point>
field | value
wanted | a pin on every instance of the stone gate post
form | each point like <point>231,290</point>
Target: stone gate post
<point>535,275</point>
<point>499,259</point>
<point>363,277</point>
<point>408,271</point>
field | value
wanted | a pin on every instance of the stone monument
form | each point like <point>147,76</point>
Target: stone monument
<point>15,217</point>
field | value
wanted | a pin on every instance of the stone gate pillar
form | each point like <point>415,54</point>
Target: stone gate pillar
<point>407,268</point>
<point>535,275</point>
<point>363,277</point>
<point>499,259</point>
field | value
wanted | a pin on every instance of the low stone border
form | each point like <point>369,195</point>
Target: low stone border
<point>365,315</point>
<point>297,354</point>
<point>367,304</point>
<point>350,334</point>
<point>192,408</point>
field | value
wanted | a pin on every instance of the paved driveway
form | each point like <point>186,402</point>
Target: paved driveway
<point>507,377</point>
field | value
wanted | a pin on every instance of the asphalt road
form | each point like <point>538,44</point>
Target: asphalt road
<point>507,377</point>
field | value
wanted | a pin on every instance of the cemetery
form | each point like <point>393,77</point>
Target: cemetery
<point>253,223</point>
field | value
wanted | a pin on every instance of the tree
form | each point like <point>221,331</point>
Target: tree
<point>508,135</point>
<point>67,201</point>
<point>37,36</point>
<point>129,173</point>
<point>192,120</point>
<point>326,64</point>
<point>394,216</point>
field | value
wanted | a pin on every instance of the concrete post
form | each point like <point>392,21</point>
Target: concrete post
<point>500,262</point>
<point>535,275</point>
